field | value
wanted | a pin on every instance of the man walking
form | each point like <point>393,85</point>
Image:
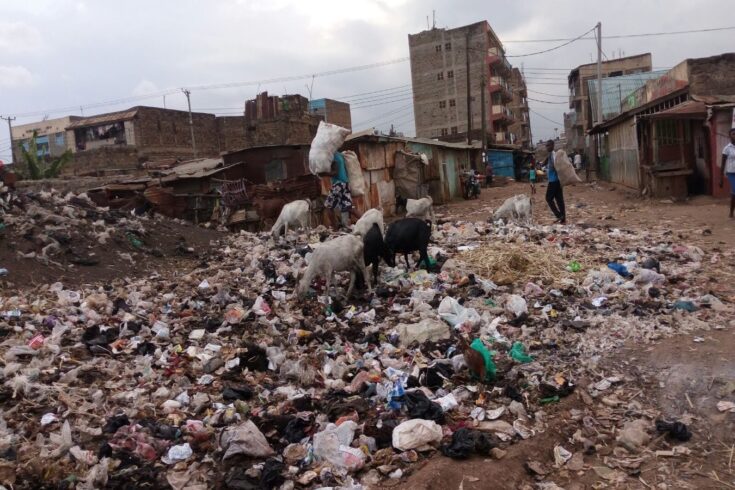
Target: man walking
<point>554,192</point>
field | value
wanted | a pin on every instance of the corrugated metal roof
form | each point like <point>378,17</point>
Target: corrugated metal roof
<point>191,167</point>
<point>372,134</point>
<point>687,110</point>
<point>616,89</point>
<point>109,118</point>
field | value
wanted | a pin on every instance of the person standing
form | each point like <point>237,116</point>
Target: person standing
<point>488,173</point>
<point>577,161</point>
<point>339,199</point>
<point>554,192</point>
<point>727,167</point>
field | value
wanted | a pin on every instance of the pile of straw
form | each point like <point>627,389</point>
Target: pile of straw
<point>510,263</point>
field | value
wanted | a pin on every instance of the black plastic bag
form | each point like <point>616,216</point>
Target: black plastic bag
<point>676,430</point>
<point>466,442</point>
<point>419,406</point>
<point>270,476</point>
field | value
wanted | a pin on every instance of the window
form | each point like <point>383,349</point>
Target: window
<point>615,73</point>
<point>454,129</point>
<point>452,102</point>
<point>450,74</point>
<point>445,131</point>
<point>438,48</point>
<point>440,75</point>
<point>448,47</point>
<point>275,170</point>
<point>59,139</point>
<point>666,133</point>
<point>442,104</point>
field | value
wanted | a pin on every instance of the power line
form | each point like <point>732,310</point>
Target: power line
<point>544,117</point>
<point>622,36</point>
<point>550,95</point>
<point>550,49</point>
<point>546,101</point>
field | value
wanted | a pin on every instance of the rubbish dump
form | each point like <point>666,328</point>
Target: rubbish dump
<point>218,375</point>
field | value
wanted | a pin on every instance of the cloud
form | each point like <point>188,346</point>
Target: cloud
<point>15,76</point>
<point>19,38</point>
<point>145,87</point>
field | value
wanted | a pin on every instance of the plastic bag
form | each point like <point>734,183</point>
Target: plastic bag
<point>328,139</point>
<point>516,305</point>
<point>416,433</point>
<point>354,174</point>
<point>487,356</point>
<point>454,314</point>
<point>565,169</point>
<point>246,439</point>
<point>518,352</point>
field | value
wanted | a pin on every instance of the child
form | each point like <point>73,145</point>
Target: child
<point>532,179</point>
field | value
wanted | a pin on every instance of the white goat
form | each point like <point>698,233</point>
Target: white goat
<point>344,253</point>
<point>366,221</point>
<point>420,208</point>
<point>296,213</point>
<point>516,208</point>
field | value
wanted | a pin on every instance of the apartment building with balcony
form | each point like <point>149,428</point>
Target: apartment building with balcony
<point>439,75</point>
<point>520,129</point>
<point>579,96</point>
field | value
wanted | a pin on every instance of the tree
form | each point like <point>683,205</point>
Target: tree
<point>37,168</point>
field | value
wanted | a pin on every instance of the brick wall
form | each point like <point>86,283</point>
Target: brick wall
<point>162,133</point>
<point>283,131</point>
<point>231,132</point>
<point>104,161</point>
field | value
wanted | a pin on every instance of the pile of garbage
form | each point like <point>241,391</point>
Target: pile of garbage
<point>45,234</point>
<point>221,377</point>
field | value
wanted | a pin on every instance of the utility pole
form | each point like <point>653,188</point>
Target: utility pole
<point>191,122</point>
<point>599,72</point>
<point>10,120</point>
<point>483,111</point>
<point>469,103</point>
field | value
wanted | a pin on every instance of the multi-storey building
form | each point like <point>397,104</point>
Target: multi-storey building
<point>520,130</point>
<point>446,106</point>
<point>579,97</point>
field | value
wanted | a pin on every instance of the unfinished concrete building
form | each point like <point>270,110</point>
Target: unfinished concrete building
<point>279,120</point>
<point>439,75</point>
<point>520,129</point>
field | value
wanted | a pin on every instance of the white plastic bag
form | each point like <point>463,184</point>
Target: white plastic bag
<point>565,169</point>
<point>354,173</point>
<point>454,313</point>
<point>328,139</point>
<point>516,305</point>
<point>416,433</point>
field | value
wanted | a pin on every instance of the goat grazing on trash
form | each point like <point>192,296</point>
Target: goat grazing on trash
<point>376,249</point>
<point>296,213</point>
<point>408,235</point>
<point>417,208</point>
<point>344,253</point>
<point>516,208</point>
<point>366,221</point>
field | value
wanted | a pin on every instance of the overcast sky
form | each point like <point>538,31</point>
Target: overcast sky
<point>58,54</point>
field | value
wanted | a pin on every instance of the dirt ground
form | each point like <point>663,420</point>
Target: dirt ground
<point>681,378</point>
<point>166,250</point>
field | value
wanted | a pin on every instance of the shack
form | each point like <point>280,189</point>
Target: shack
<point>668,137</point>
<point>414,166</point>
